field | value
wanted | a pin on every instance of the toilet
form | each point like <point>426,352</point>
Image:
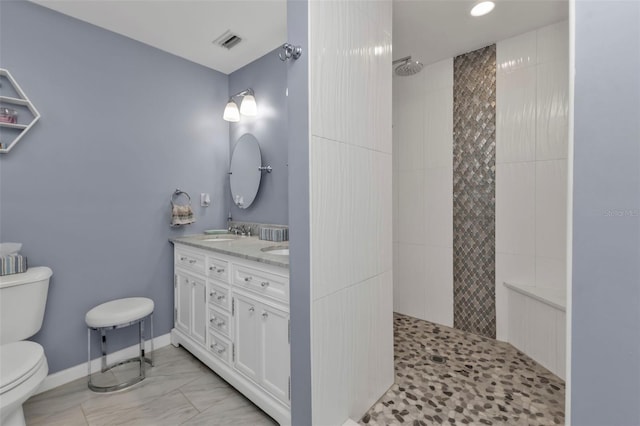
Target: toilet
<point>23,365</point>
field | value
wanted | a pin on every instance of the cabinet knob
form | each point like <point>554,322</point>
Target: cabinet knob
<point>221,270</point>
<point>221,349</point>
<point>192,261</point>
<point>186,280</point>
<point>212,320</point>
<point>213,293</point>
<point>221,323</point>
<point>264,284</point>
<point>221,297</point>
<point>182,258</point>
<point>265,314</point>
<point>247,279</point>
<point>251,309</point>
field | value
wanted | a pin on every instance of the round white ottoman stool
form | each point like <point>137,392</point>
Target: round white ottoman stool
<point>117,314</point>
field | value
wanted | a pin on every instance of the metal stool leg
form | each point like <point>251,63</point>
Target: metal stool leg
<point>142,363</point>
<point>103,347</point>
<point>152,356</point>
<point>89,352</point>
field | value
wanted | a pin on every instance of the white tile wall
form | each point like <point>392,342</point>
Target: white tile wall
<point>352,206</point>
<point>517,52</point>
<point>552,109</point>
<point>538,330</point>
<point>423,136</point>
<point>515,208</point>
<point>410,291</point>
<point>517,121</point>
<point>551,208</point>
<point>531,182</point>
<point>514,268</point>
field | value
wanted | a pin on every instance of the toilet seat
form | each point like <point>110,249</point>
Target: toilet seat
<point>18,362</point>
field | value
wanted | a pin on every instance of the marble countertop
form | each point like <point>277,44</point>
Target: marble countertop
<point>249,248</point>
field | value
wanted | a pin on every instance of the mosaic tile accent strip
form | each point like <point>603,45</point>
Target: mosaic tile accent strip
<point>483,382</point>
<point>474,191</point>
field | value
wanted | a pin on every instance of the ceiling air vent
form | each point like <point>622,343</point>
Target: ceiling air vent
<point>227,40</point>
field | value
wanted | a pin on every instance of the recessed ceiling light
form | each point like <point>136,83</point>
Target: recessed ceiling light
<point>482,8</point>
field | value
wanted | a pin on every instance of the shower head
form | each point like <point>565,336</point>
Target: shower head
<point>407,67</point>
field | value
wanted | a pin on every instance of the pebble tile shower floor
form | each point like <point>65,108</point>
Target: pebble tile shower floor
<point>483,381</point>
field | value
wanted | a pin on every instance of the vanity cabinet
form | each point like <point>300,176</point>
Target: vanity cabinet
<point>233,315</point>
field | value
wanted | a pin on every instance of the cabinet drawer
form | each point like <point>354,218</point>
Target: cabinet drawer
<point>219,296</point>
<point>262,282</point>
<point>218,269</point>
<point>220,347</point>
<point>220,321</point>
<point>188,260</point>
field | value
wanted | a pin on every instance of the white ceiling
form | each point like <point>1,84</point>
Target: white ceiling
<point>432,30</point>
<point>429,30</point>
<point>187,28</point>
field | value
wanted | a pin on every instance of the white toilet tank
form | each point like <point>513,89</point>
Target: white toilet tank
<point>22,301</point>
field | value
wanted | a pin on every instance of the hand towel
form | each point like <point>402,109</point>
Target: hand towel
<point>181,215</point>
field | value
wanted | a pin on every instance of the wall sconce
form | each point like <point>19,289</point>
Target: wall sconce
<point>248,106</point>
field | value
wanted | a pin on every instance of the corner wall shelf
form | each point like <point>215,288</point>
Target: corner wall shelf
<point>23,101</point>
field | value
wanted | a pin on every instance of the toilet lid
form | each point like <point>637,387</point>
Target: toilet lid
<point>18,361</point>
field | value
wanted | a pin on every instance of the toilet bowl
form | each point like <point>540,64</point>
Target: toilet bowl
<point>23,365</point>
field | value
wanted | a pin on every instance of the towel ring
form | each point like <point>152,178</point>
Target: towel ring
<point>176,194</point>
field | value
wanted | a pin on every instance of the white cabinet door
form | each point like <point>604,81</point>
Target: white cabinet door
<point>183,303</point>
<point>198,311</point>
<point>191,307</point>
<point>275,351</point>
<point>247,337</point>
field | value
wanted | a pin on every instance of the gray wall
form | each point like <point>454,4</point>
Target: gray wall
<point>605,377</point>
<point>267,76</point>
<point>299,215</point>
<point>87,190</point>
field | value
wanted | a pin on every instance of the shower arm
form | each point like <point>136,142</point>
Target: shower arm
<point>405,59</point>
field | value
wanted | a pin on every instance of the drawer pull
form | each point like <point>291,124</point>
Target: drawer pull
<point>212,320</point>
<point>213,293</point>
<point>221,297</point>
<point>218,270</point>
<point>265,314</point>
<point>186,280</point>
<point>264,284</point>
<point>251,309</point>
<point>221,323</point>
<point>182,259</point>
<point>192,261</point>
<point>220,349</point>
<point>247,279</point>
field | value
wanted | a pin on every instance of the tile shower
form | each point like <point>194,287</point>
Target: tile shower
<point>480,194</point>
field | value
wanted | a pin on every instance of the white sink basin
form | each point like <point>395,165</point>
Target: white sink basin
<point>218,240</point>
<point>277,250</point>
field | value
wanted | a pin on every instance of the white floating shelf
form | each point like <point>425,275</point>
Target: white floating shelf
<point>21,100</point>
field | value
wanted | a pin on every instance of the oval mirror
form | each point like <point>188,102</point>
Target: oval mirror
<point>245,171</point>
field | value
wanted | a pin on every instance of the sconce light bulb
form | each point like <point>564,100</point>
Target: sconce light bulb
<point>248,106</point>
<point>231,112</point>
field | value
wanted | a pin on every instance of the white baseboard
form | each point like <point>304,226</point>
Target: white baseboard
<point>70,374</point>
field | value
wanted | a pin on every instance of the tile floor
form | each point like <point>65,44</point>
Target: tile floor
<point>178,390</point>
<point>483,382</point>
